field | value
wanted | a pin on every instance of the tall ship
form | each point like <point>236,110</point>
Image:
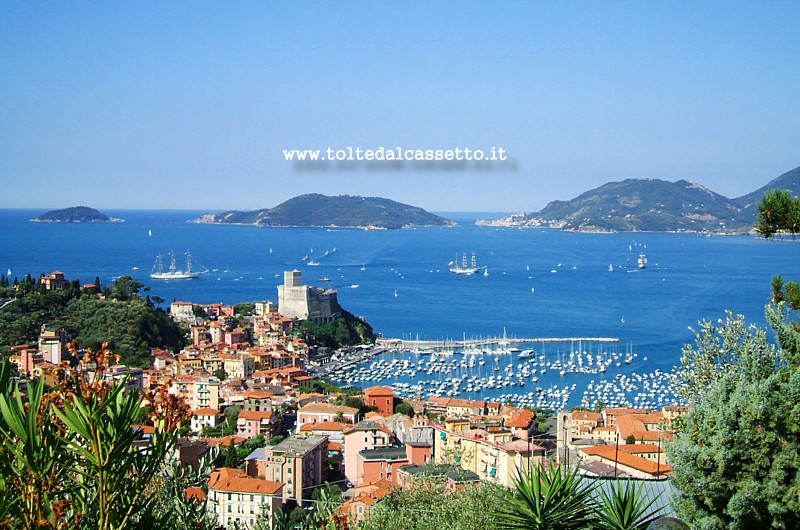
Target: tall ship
<point>642,261</point>
<point>173,273</point>
<point>464,267</point>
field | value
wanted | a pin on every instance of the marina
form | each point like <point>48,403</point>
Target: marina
<point>559,373</point>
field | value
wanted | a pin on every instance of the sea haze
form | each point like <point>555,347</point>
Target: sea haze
<point>689,277</point>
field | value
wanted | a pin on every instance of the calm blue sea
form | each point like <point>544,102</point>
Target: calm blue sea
<point>541,283</point>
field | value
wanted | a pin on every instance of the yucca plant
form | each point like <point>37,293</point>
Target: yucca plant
<point>625,507</point>
<point>548,499</point>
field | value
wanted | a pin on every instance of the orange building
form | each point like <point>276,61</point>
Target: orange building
<point>381,397</point>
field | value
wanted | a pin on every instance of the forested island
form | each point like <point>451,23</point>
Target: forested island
<point>76,214</point>
<point>315,210</point>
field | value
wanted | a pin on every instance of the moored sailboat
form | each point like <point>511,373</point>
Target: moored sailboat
<point>173,273</point>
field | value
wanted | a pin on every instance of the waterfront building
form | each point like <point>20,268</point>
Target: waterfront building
<point>305,302</point>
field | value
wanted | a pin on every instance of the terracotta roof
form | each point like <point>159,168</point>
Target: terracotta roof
<point>326,408</point>
<point>258,394</point>
<point>627,456</point>
<point>586,415</point>
<point>195,493</point>
<point>205,412</point>
<point>379,391</point>
<point>146,429</point>
<point>465,403</point>
<point>231,439</point>
<point>323,426</point>
<point>370,498</point>
<point>368,425</point>
<point>634,425</point>
<point>255,415</point>
<point>334,446</point>
<point>651,417</point>
<point>236,480</point>
<point>521,419</point>
<point>626,410</point>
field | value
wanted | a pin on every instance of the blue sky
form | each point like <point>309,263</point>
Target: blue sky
<point>190,104</point>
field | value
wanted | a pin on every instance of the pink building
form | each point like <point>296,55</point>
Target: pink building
<point>383,464</point>
<point>365,434</point>
<point>324,412</point>
<point>251,423</point>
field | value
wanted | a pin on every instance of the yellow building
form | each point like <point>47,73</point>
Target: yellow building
<point>492,454</point>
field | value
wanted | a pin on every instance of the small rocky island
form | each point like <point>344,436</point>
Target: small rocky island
<point>76,214</point>
<point>315,210</point>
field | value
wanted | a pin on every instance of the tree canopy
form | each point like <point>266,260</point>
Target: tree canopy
<point>132,325</point>
<point>736,454</point>
<point>778,212</point>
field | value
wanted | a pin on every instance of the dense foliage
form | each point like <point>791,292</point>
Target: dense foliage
<point>736,454</point>
<point>346,330</point>
<point>543,499</point>
<point>71,458</point>
<point>778,212</point>
<point>428,506</point>
<point>130,323</point>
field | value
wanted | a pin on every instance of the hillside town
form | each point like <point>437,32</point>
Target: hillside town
<point>252,387</point>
